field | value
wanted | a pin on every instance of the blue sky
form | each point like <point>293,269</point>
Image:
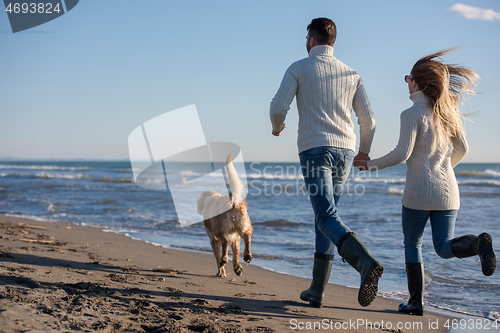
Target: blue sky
<point>77,86</point>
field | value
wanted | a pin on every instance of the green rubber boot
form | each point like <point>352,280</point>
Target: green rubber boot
<point>321,273</point>
<point>355,253</point>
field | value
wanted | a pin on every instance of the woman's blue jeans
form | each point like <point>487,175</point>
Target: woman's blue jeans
<point>325,171</point>
<point>443,230</point>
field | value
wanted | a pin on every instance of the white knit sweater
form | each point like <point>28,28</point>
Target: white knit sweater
<point>430,180</point>
<point>327,90</point>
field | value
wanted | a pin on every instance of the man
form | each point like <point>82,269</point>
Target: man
<point>327,90</point>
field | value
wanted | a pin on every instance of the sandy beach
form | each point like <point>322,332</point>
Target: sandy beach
<point>57,277</point>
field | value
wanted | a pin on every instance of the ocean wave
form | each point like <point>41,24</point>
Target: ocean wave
<point>378,180</point>
<point>117,230</point>
<point>190,173</point>
<point>478,195</point>
<point>125,170</point>
<point>483,182</point>
<point>492,173</point>
<point>493,315</point>
<point>395,295</point>
<point>44,175</point>
<point>13,175</point>
<point>488,173</point>
<point>44,218</point>
<point>78,176</point>
<point>114,180</point>
<point>154,171</point>
<point>467,173</point>
<point>42,167</point>
<point>394,191</point>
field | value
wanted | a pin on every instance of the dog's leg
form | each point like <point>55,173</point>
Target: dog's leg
<point>223,259</point>
<point>247,255</point>
<point>235,247</point>
<point>216,246</point>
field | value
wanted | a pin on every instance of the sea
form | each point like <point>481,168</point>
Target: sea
<point>104,194</point>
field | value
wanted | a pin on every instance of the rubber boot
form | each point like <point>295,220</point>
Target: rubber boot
<point>355,253</point>
<point>321,273</point>
<point>416,284</point>
<point>470,245</point>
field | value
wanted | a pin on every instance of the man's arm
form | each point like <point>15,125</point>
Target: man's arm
<point>282,100</point>
<point>366,120</point>
<point>279,133</point>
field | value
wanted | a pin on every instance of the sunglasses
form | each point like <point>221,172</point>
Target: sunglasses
<point>408,78</point>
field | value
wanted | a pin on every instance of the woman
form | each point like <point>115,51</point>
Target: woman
<point>431,190</point>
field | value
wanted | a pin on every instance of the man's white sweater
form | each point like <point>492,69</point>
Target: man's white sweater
<point>430,180</point>
<point>327,90</point>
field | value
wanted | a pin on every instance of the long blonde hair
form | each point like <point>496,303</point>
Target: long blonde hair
<point>443,84</point>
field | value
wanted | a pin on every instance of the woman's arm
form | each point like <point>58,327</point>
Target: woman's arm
<point>407,135</point>
<point>460,148</point>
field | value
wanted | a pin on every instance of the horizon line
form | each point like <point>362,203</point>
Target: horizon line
<point>81,159</point>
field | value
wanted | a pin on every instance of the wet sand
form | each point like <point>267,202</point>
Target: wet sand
<point>57,277</point>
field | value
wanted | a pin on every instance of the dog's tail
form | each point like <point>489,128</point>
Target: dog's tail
<point>236,194</point>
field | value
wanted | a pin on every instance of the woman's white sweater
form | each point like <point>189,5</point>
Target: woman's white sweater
<point>430,180</point>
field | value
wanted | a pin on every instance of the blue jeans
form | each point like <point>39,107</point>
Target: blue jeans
<point>443,229</point>
<point>325,171</point>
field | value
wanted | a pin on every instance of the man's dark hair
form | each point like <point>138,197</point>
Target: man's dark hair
<point>323,30</point>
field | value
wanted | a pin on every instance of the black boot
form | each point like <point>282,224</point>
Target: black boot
<point>355,253</point>
<point>416,279</point>
<point>321,273</point>
<point>470,245</point>
<point>487,254</point>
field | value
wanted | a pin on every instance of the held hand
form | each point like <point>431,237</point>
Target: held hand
<point>362,165</point>
<point>361,161</point>
<point>278,133</point>
<point>362,156</point>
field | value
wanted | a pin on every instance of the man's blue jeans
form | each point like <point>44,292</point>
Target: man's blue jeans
<point>443,229</point>
<point>325,171</point>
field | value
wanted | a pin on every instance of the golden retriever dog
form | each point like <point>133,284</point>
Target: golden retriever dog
<point>229,227</point>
